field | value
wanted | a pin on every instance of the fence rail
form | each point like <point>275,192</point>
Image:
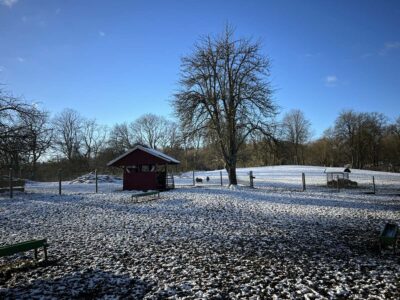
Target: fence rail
<point>364,183</point>
<point>383,184</point>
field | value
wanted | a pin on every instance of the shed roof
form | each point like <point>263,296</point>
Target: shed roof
<point>155,153</point>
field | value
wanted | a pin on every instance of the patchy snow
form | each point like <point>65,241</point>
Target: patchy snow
<point>91,178</point>
<point>209,242</point>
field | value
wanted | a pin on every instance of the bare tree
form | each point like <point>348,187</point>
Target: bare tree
<point>345,131</point>
<point>151,130</point>
<point>296,130</point>
<point>373,130</point>
<point>224,89</point>
<point>14,132</point>
<point>93,138</point>
<point>68,131</point>
<point>11,110</point>
<point>120,138</point>
<point>396,127</point>
<point>39,137</point>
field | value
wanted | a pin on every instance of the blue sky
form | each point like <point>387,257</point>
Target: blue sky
<point>116,60</point>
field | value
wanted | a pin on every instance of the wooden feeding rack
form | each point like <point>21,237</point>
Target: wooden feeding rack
<point>337,178</point>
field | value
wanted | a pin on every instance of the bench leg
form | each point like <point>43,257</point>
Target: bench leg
<point>36,256</point>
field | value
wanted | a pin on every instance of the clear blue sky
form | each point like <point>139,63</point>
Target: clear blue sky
<point>116,60</point>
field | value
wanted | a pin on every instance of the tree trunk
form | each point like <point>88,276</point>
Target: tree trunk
<point>232,174</point>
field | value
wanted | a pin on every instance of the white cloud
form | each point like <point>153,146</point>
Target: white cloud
<point>20,59</point>
<point>331,80</point>
<point>8,3</point>
<point>311,55</point>
<point>102,33</point>
<point>367,55</point>
<point>392,45</point>
<point>2,68</point>
<point>389,46</point>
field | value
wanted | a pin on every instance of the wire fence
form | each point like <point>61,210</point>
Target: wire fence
<point>369,182</point>
<point>372,182</point>
<point>86,183</point>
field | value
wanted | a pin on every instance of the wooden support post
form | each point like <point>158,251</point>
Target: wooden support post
<point>10,177</point>
<point>220,176</point>
<point>45,252</point>
<point>373,184</point>
<point>59,181</point>
<point>95,175</point>
<point>251,179</point>
<point>303,178</point>
<point>338,185</point>
<point>194,183</point>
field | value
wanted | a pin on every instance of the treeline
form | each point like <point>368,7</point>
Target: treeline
<point>36,145</point>
<point>359,140</point>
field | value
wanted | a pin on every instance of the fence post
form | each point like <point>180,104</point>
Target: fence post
<point>373,183</point>
<point>338,185</point>
<point>95,175</point>
<point>10,177</point>
<point>303,178</point>
<point>220,176</point>
<point>251,179</point>
<point>194,183</point>
<point>59,181</point>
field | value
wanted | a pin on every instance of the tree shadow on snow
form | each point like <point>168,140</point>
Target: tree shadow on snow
<point>299,198</point>
<point>88,284</point>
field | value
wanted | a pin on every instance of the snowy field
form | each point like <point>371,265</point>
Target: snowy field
<point>290,177</point>
<point>204,242</point>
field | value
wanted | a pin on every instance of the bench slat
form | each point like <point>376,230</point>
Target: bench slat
<point>22,247</point>
<point>145,194</point>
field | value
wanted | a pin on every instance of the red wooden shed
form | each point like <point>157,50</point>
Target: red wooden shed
<point>145,169</point>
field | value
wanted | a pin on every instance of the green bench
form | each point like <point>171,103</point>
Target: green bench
<point>25,246</point>
<point>144,194</point>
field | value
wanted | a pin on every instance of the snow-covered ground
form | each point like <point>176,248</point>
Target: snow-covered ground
<point>203,242</point>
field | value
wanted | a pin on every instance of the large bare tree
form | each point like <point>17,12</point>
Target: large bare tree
<point>224,89</point>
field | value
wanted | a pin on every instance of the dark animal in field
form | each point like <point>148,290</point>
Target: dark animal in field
<point>208,179</point>
<point>199,180</point>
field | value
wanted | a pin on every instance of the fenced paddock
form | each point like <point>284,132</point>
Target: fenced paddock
<point>87,183</point>
<point>274,177</point>
<point>291,178</point>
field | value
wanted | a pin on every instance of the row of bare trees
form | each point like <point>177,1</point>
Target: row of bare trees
<point>154,131</point>
<point>364,140</point>
<point>77,137</point>
<point>68,140</point>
